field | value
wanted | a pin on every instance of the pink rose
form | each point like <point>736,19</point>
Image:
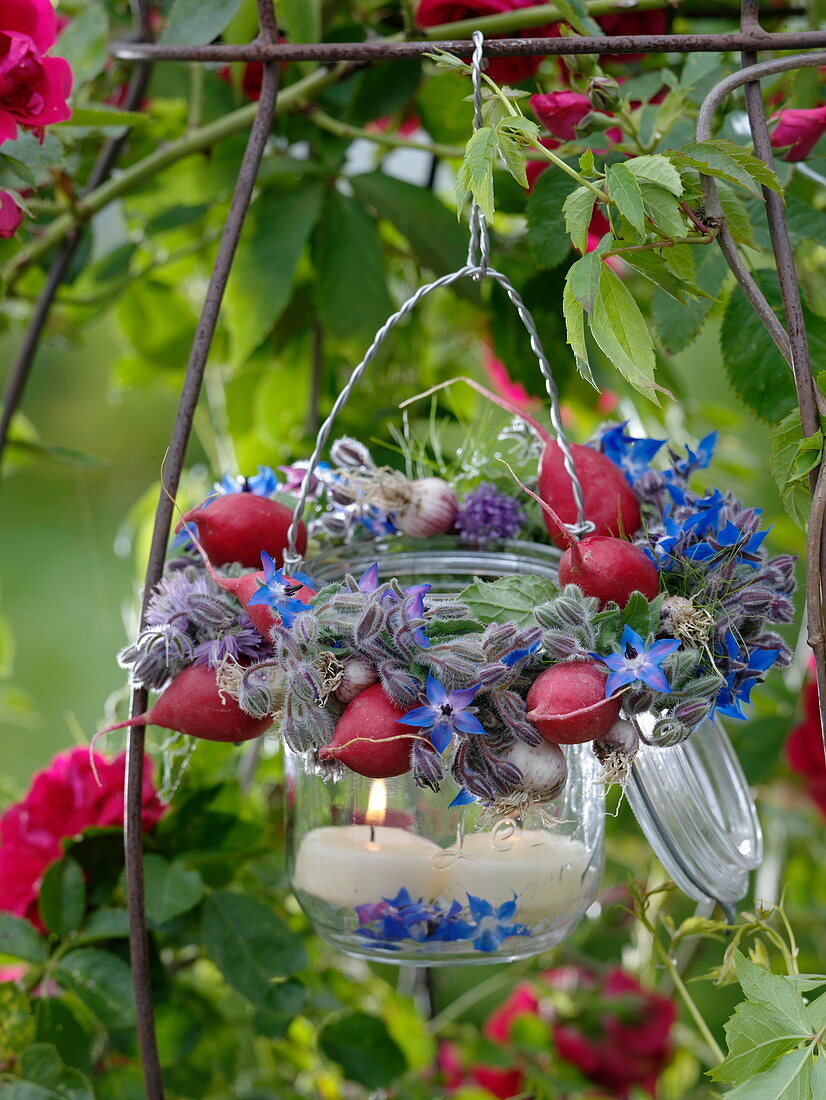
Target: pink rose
<point>798,130</point>
<point>62,802</point>
<point>503,384</point>
<point>804,748</point>
<point>10,215</point>
<point>33,88</point>
<point>501,1083</point>
<point>522,1002</point>
<point>504,70</point>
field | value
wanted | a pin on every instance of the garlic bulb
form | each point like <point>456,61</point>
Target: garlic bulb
<point>431,509</point>
<point>544,768</point>
<point>358,675</point>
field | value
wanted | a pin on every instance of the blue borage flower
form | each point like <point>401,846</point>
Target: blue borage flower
<point>510,659</point>
<point>392,920</point>
<point>749,666</point>
<point>278,591</point>
<point>636,663</point>
<point>263,484</point>
<point>633,456</point>
<point>445,713</point>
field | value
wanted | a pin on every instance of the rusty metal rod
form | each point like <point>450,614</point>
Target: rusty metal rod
<point>384,50</point>
<point>170,478</point>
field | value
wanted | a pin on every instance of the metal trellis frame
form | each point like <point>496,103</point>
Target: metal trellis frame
<point>790,338</point>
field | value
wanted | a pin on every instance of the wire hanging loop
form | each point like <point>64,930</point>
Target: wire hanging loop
<point>477,268</point>
<point>478,255</point>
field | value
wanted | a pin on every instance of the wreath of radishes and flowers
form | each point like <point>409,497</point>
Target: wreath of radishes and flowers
<point>671,620</point>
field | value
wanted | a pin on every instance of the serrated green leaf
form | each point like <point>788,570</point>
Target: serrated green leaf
<point>261,282</point>
<point>756,1037</point>
<point>476,170</point>
<point>103,924</point>
<point>816,1011</point>
<point>578,209</point>
<point>302,19</point>
<point>663,209</point>
<point>653,266</point>
<point>656,169</point>
<point>786,442</point>
<point>624,189</point>
<point>522,129</point>
<point>587,162</point>
<point>737,217</point>
<point>171,888</point>
<point>546,222</point>
<point>63,897</point>
<point>772,990</point>
<point>510,599</point>
<point>20,940</point>
<point>249,944</point>
<point>728,162</point>
<point>620,331</point>
<point>102,981</point>
<point>513,155</point>
<point>198,22</point>
<point>351,293</point>
<point>583,278</point>
<point>788,1079</point>
<point>680,261</point>
<point>758,373</point>
<point>43,1076</point>
<point>575,328</point>
<point>364,1049</point>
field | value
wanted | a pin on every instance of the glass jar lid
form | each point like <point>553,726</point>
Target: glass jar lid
<point>693,803</point>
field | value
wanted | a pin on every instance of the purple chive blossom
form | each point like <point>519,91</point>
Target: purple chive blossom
<point>633,456</point>
<point>277,592</point>
<point>171,600</point>
<point>636,663</point>
<point>263,484</point>
<point>445,713</point>
<point>487,515</point>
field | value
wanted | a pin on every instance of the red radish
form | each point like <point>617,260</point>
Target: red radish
<point>246,586</point>
<point>369,739</point>
<point>193,705</point>
<point>608,500</point>
<point>608,568</point>
<point>238,526</point>
<point>567,703</point>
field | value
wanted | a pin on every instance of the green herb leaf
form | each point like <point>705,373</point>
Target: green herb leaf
<point>476,170</point>
<point>578,209</point>
<point>792,457</point>
<point>624,189</point>
<point>575,326</point>
<point>772,990</point>
<point>364,1049</point>
<point>198,22</point>
<point>513,154</point>
<point>657,169</point>
<point>249,944</point>
<point>728,162</point>
<point>788,1079</point>
<point>546,236</point>
<point>663,209</point>
<point>583,279</point>
<point>737,217</point>
<point>510,599</point>
<point>63,897</point>
<point>678,324</point>
<point>20,940</point>
<point>102,981</point>
<point>756,1037</point>
<point>620,330</point>
<point>653,266</point>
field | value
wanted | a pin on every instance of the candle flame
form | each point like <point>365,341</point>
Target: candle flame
<point>377,803</point>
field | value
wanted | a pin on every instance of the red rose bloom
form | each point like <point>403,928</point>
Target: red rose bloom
<point>631,1047</point>
<point>631,22</point>
<point>798,130</point>
<point>10,215</point>
<point>804,748</point>
<point>33,88</point>
<point>63,800</point>
<point>504,70</point>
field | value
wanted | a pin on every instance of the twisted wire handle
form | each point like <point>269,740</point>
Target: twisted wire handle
<point>476,268</point>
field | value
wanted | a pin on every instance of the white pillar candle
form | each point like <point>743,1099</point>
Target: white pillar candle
<point>352,864</point>
<point>543,869</point>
